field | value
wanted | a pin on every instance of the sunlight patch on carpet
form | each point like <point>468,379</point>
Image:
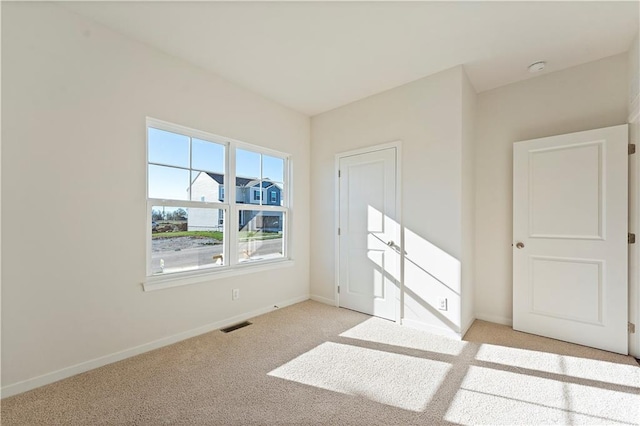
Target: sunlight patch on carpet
<point>518,398</point>
<point>583,368</point>
<point>386,332</point>
<point>398,380</point>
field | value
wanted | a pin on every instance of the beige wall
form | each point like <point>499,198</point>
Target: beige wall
<point>585,97</point>
<point>426,116</point>
<point>74,101</point>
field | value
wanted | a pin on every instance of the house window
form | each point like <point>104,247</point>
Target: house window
<point>191,215</point>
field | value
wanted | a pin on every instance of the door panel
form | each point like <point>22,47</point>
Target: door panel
<point>553,213</point>
<point>555,281</point>
<point>368,259</point>
<point>570,218</point>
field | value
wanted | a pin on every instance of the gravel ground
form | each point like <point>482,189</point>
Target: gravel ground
<point>180,243</point>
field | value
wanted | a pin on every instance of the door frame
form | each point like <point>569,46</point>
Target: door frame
<point>634,224</point>
<point>336,220</point>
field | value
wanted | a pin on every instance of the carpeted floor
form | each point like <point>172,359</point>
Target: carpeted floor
<point>315,364</point>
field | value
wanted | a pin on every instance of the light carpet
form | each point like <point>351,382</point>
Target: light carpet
<point>315,364</point>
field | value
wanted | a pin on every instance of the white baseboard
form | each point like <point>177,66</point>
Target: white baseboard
<point>467,326</point>
<point>495,318</point>
<point>441,331</point>
<point>324,300</point>
<point>63,373</point>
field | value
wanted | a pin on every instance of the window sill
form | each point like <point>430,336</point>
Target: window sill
<point>178,279</point>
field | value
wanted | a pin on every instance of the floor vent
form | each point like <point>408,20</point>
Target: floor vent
<point>235,327</point>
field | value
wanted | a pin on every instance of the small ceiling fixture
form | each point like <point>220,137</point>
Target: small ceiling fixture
<point>537,67</point>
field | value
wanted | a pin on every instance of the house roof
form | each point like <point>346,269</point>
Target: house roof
<point>240,181</point>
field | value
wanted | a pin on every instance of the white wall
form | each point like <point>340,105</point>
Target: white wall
<point>634,74</point>
<point>426,116</point>
<point>1,272</point>
<point>585,97</point>
<point>74,100</point>
<point>634,194</point>
<point>469,99</point>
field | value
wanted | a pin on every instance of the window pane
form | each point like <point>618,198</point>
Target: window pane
<point>256,194</point>
<point>272,194</point>
<point>168,183</point>
<point>260,235</point>
<point>168,148</point>
<point>247,177</point>
<point>207,186</point>
<point>185,239</point>
<point>247,164</point>
<point>207,156</point>
<point>272,168</point>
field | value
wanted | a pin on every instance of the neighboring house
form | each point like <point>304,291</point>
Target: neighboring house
<point>210,187</point>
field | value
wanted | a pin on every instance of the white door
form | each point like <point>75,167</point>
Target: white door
<point>570,238</point>
<point>369,262</point>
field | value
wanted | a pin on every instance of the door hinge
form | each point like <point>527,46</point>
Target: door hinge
<point>338,289</point>
<point>338,231</point>
<point>632,328</point>
<point>632,148</point>
<point>339,173</point>
<point>631,238</point>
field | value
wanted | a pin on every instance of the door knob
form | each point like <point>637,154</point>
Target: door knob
<point>519,245</point>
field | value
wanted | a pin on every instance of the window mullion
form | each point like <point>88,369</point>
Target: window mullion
<point>149,236</point>
<point>286,202</point>
<point>190,168</point>
<point>231,225</point>
<point>262,208</point>
<point>185,203</point>
<point>261,177</point>
<point>286,184</point>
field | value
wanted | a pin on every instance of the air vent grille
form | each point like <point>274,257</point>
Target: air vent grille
<point>235,327</point>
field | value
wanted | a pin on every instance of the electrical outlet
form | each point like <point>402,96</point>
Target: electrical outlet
<point>442,303</point>
<point>235,294</point>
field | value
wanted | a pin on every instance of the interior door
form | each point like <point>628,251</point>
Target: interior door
<point>369,236</point>
<point>570,237</point>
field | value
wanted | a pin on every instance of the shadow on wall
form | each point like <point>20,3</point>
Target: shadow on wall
<point>430,274</point>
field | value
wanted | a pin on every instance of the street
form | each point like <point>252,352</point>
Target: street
<point>198,257</point>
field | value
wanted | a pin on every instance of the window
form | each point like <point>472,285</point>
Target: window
<point>260,235</point>
<point>261,225</point>
<point>198,186</point>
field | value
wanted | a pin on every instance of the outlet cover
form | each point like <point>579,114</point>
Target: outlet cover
<point>442,303</point>
<point>235,294</point>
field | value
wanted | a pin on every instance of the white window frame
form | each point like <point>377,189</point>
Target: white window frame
<point>231,210</point>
